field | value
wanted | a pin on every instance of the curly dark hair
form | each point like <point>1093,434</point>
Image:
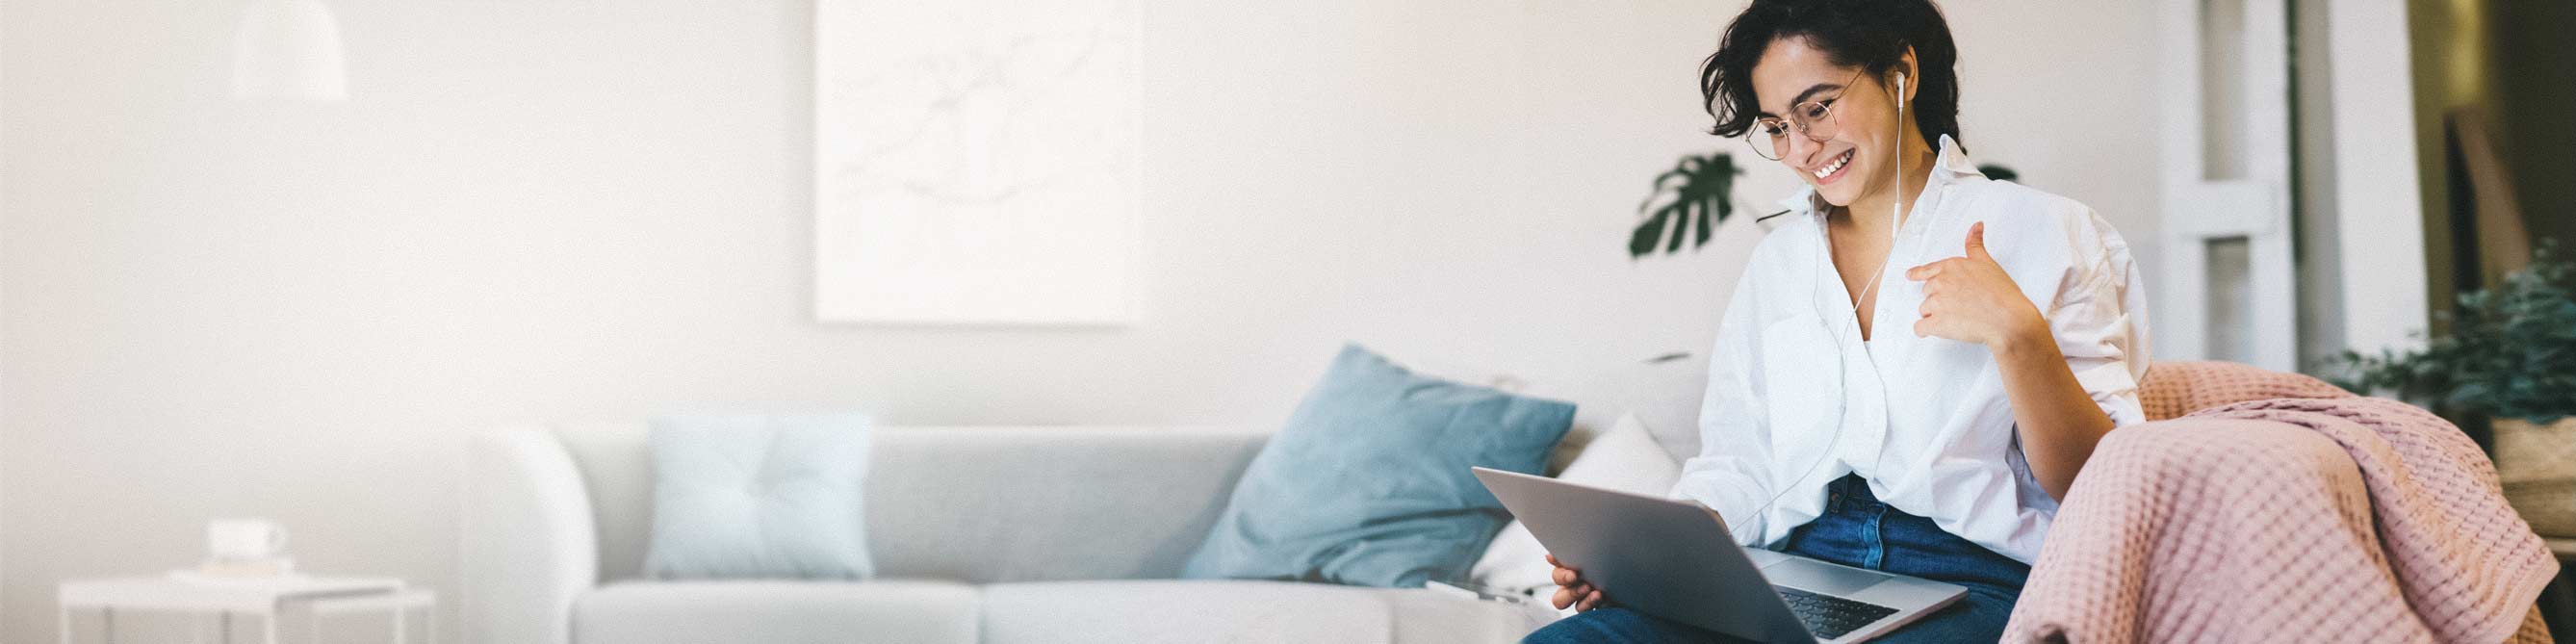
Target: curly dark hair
<point>1870,34</point>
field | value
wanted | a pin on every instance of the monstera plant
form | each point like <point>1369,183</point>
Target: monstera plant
<point>1697,195</point>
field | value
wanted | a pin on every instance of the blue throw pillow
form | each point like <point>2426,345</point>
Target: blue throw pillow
<point>759,497</point>
<point>1368,484</point>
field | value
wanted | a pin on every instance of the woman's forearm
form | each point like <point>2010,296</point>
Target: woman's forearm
<point>2058,422</point>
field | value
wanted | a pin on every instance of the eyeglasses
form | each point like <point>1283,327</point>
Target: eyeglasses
<point>1813,119</point>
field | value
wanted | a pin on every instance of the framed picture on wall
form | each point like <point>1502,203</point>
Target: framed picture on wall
<point>975,161</point>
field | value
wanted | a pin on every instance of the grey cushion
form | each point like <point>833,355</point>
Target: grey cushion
<point>991,505</point>
<point>1427,617</point>
<point>1147,611</point>
<point>1191,611</point>
<point>776,612</point>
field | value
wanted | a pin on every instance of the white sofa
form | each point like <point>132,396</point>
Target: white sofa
<point>979,534</point>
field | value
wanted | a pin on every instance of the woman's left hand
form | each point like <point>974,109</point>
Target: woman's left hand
<point>1971,299</point>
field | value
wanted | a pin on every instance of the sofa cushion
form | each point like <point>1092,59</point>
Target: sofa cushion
<point>1007,504</point>
<point>1369,484</point>
<point>759,497</point>
<point>1424,616</point>
<point>1191,611</point>
<point>776,612</point>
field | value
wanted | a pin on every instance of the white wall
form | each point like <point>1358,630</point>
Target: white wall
<point>594,209</point>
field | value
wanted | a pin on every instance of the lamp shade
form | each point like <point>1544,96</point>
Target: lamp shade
<point>288,49</point>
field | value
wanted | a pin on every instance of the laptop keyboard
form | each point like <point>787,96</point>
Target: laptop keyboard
<point>1828,616</point>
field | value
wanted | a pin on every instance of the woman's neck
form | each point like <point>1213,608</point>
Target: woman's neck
<point>1868,214</point>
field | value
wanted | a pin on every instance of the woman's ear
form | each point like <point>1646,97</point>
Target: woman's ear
<point>1913,81</point>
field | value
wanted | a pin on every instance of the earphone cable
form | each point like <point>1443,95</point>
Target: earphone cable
<point>1842,370</point>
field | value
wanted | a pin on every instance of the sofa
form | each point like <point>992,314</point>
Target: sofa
<point>1030,534</point>
<point>979,534</point>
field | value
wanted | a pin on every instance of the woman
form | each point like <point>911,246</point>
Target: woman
<point>1915,365</point>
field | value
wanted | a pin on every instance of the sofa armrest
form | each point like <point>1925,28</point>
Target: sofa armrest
<point>529,545</point>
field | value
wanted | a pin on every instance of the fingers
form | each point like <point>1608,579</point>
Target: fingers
<point>1977,240</point>
<point>1923,327</point>
<point>1929,270</point>
<point>1572,595</point>
<point>1571,590</point>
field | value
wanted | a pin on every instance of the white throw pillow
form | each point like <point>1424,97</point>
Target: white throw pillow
<point>1663,392</point>
<point>1626,459</point>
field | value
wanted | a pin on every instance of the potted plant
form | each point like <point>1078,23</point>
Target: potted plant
<point>2510,356</point>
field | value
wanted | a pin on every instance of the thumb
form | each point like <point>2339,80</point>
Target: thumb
<point>1977,241</point>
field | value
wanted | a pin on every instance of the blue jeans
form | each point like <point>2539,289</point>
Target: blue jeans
<point>1856,530</point>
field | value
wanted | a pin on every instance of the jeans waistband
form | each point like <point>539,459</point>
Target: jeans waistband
<point>1859,530</point>
<point>1850,492</point>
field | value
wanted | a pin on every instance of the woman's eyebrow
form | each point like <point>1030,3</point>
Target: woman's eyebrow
<point>1803,96</point>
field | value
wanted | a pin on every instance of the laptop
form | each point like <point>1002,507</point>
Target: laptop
<point>1674,559</point>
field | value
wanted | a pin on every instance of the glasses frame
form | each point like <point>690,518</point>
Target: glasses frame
<point>1774,149</point>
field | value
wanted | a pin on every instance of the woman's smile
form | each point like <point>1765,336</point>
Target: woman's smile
<point>1833,170</point>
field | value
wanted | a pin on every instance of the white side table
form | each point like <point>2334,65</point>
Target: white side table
<point>268,600</point>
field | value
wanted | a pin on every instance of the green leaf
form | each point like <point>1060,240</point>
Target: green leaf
<point>1699,188</point>
<point>1642,242</point>
<point>2511,351</point>
<point>1681,222</point>
<point>1700,237</point>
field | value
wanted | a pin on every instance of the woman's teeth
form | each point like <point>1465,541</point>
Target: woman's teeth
<point>1829,168</point>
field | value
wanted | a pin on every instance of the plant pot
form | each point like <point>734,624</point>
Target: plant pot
<point>2538,466</point>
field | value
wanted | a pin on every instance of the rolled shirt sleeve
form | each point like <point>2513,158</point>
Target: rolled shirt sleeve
<point>2100,322</point>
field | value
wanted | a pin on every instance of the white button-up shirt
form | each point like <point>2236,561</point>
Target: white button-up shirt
<point>1796,398</point>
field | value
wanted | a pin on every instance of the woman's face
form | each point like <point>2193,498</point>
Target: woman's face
<point>1862,119</point>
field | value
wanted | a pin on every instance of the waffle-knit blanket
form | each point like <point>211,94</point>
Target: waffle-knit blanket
<point>2340,519</point>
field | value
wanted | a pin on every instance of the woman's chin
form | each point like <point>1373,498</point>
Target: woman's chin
<point>1836,194</point>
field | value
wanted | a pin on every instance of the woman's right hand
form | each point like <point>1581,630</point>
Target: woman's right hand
<point>1571,589</point>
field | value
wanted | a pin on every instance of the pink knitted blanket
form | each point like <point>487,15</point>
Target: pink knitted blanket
<point>2287,520</point>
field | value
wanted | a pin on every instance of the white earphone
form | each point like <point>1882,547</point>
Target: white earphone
<point>1893,215</point>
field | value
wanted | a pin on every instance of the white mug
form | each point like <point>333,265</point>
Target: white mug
<point>244,539</point>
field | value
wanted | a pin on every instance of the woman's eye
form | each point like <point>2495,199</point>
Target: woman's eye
<point>1770,129</point>
<point>1818,109</point>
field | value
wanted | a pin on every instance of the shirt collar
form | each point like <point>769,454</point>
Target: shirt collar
<point>1951,166</point>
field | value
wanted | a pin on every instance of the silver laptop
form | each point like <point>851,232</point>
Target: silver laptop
<point>1673,559</point>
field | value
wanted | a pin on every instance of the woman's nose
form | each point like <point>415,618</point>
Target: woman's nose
<point>1800,147</point>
